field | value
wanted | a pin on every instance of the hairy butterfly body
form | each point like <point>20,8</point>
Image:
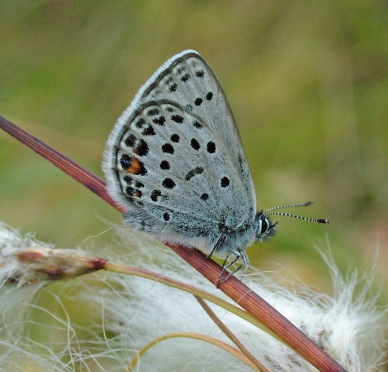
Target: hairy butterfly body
<point>175,161</point>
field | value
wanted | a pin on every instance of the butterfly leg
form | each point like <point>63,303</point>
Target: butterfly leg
<point>219,242</point>
<point>236,255</point>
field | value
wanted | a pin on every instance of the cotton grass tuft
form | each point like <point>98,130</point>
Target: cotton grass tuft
<point>126,314</point>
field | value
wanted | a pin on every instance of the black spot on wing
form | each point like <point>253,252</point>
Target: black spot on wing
<point>130,140</point>
<point>140,123</point>
<point>155,194</point>
<point>177,118</point>
<point>164,165</point>
<point>185,77</point>
<point>159,120</point>
<point>195,144</point>
<point>168,183</point>
<point>126,161</point>
<point>193,172</point>
<point>197,124</point>
<point>211,147</point>
<point>148,131</point>
<point>198,101</point>
<point>167,148</point>
<point>141,148</point>
<point>225,182</point>
<point>152,112</point>
<point>173,87</point>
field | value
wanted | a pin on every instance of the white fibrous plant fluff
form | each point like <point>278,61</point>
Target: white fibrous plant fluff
<point>131,312</point>
<point>26,265</point>
<point>27,261</point>
<point>348,327</point>
<point>12,244</point>
<point>15,305</point>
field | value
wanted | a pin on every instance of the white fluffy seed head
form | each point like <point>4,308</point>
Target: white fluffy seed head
<point>11,244</point>
<point>349,328</point>
<point>137,311</point>
<point>26,261</point>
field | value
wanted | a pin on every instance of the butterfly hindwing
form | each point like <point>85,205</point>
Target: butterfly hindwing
<point>175,156</point>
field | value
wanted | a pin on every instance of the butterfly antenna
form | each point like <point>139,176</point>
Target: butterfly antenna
<point>310,202</point>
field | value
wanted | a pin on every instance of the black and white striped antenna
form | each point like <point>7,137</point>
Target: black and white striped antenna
<point>310,202</point>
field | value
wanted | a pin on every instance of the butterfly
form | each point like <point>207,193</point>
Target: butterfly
<point>175,162</point>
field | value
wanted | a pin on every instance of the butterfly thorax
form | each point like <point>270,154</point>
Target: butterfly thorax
<point>260,229</point>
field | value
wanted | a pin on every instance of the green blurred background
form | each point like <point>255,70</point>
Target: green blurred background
<point>307,82</point>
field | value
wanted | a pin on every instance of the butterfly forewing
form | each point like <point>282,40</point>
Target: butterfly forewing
<point>188,79</point>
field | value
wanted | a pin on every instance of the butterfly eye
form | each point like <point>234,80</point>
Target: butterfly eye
<point>264,225</point>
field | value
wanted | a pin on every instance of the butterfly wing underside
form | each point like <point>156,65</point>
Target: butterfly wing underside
<point>175,158</point>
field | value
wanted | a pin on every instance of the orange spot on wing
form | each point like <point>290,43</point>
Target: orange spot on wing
<point>136,167</point>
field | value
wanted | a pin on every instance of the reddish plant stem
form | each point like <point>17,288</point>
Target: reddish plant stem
<point>233,287</point>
